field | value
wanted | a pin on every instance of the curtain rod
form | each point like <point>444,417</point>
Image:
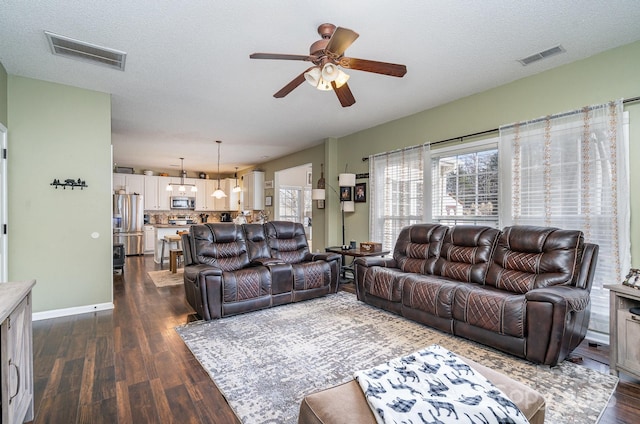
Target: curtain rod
<point>462,137</point>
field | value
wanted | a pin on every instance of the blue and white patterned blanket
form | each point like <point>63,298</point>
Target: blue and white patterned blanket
<point>433,385</point>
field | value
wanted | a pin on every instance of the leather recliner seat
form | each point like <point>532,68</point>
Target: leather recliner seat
<point>231,269</point>
<point>524,290</point>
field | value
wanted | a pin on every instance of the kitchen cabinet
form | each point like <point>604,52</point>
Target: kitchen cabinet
<point>130,183</point>
<point>156,196</point>
<point>231,203</point>
<point>253,190</point>
<point>204,200</point>
<point>16,352</point>
<point>149,239</point>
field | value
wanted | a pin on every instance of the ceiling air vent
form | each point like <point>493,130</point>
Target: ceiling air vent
<point>542,55</point>
<point>75,49</point>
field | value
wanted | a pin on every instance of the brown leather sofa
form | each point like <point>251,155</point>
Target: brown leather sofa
<point>231,269</point>
<point>524,290</point>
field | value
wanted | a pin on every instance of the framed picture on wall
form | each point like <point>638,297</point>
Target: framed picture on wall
<point>267,200</point>
<point>360,195</point>
<point>346,194</point>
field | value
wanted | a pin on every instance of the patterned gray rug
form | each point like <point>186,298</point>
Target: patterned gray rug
<point>265,362</point>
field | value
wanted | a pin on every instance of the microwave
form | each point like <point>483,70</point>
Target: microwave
<point>182,202</point>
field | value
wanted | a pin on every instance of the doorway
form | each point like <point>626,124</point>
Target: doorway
<point>292,192</point>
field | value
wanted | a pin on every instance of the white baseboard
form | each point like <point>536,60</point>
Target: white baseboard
<point>37,316</point>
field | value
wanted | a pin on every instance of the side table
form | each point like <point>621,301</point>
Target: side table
<point>354,253</point>
<point>624,330</point>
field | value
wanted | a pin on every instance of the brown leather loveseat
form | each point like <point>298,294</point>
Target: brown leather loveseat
<point>231,269</point>
<point>524,290</point>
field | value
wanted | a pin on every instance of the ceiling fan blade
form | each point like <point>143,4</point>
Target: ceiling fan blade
<point>341,39</point>
<point>280,56</point>
<point>384,68</point>
<point>292,85</point>
<point>344,94</point>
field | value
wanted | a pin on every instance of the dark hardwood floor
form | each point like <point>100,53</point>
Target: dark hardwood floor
<point>130,366</point>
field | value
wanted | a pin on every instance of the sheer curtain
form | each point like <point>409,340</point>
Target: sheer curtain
<point>399,190</point>
<point>571,171</point>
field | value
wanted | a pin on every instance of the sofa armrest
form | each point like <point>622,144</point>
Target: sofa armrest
<point>571,298</point>
<point>266,261</point>
<point>369,261</point>
<point>325,256</point>
<point>557,321</point>
<point>203,289</point>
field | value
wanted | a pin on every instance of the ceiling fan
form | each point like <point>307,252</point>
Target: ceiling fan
<point>327,55</point>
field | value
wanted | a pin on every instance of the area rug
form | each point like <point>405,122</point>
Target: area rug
<point>166,278</point>
<point>266,361</point>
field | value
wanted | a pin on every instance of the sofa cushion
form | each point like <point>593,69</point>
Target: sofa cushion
<point>287,241</point>
<point>466,253</point>
<point>489,308</point>
<point>256,239</point>
<point>418,247</point>
<point>430,294</point>
<point>219,245</point>
<point>311,275</point>
<point>529,257</point>
<point>385,283</point>
<point>244,284</point>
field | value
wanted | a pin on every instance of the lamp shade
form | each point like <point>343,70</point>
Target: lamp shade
<point>219,194</point>
<point>318,194</point>
<point>313,76</point>
<point>347,180</point>
<point>330,72</point>
<point>349,206</point>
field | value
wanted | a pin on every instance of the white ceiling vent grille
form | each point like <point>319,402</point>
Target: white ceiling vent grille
<point>75,49</point>
<point>542,55</point>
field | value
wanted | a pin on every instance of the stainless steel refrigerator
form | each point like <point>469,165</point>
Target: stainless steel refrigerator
<point>128,216</point>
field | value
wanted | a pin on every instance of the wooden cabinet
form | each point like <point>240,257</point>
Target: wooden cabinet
<point>149,239</point>
<point>156,196</point>
<point>253,190</point>
<point>624,330</point>
<point>130,183</point>
<point>16,352</point>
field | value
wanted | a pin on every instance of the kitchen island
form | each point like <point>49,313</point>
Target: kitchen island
<point>161,230</point>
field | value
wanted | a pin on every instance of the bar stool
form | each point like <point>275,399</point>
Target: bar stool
<point>168,239</point>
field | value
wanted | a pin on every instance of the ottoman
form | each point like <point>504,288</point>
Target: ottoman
<point>346,404</point>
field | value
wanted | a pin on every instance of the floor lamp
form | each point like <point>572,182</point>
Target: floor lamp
<point>346,182</point>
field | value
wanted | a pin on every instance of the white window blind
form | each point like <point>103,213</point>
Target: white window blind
<point>571,171</point>
<point>397,196</point>
<point>465,185</point>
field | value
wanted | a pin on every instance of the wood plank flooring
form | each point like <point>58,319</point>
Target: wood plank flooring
<point>130,366</point>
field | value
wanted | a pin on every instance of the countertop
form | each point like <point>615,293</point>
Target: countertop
<point>171,225</point>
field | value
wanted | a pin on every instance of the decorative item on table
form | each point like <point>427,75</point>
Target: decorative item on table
<point>633,278</point>
<point>370,246</point>
<point>352,244</point>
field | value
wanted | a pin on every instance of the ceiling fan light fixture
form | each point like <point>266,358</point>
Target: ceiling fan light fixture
<point>342,78</point>
<point>324,85</point>
<point>313,76</point>
<point>330,72</point>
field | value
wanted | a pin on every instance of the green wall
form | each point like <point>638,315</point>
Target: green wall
<point>3,96</point>
<point>598,79</point>
<point>57,131</point>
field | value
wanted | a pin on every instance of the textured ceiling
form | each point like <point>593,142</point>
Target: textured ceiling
<point>189,80</point>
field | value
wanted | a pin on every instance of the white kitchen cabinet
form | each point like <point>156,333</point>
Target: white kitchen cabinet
<point>204,200</point>
<point>156,196</point>
<point>149,239</point>
<point>130,183</point>
<point>231,203</point>
<point>16,352</point>
<point>253,190</point>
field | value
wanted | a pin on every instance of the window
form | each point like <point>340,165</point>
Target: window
<point>465,185</point>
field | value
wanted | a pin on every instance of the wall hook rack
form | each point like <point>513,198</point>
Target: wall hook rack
<point>69,183</point>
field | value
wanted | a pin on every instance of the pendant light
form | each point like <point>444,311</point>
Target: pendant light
<point>182,187</point>
<point>219,194</point>
<point>237,188</point>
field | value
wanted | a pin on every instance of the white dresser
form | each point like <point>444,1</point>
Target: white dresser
<point>16,352</point>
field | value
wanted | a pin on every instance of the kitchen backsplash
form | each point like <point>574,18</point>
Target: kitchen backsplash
<point>156,217</point>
